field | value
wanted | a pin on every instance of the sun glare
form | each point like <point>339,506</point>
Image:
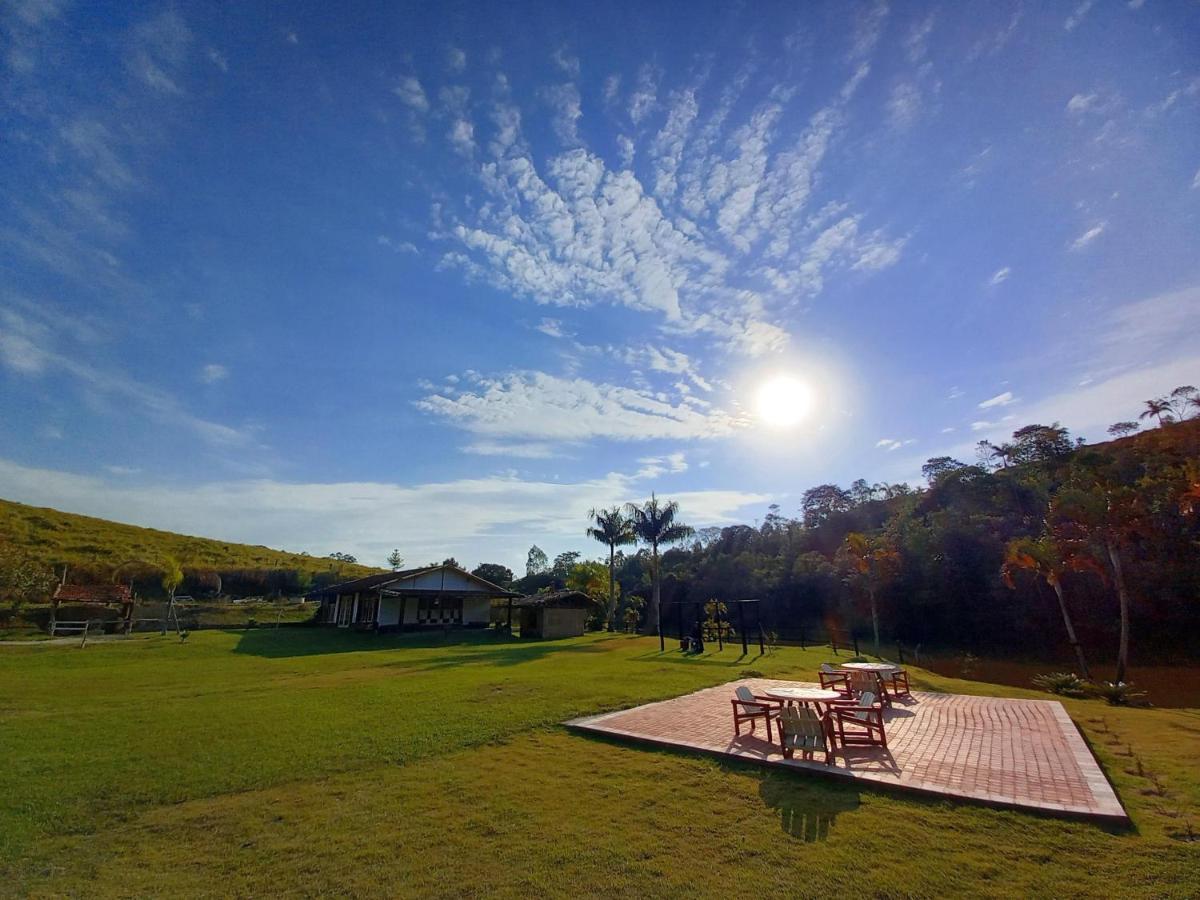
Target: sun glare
<point>783,401</point>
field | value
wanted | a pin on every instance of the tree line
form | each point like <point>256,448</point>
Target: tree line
<point>1041,546</point>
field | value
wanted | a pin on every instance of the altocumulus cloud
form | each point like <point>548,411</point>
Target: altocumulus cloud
<point>538,406</point>
<point>718,241</point>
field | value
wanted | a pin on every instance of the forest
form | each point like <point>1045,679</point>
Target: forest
<point>1042,547</point>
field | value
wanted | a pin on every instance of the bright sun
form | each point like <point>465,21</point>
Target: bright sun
<point>783,401</point>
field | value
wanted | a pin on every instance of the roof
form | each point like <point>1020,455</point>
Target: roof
<point>555,600</point>
<point>384,579</point>
<point>94,593</point>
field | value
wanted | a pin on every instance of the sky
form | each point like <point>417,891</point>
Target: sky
<point>443,277</point>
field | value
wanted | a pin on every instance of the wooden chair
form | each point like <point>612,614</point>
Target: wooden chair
<point>865,722</point>
<point>868,682</point>
<point>748,707</point>
<point>802,729</point>
<point>899,684</point>
<point>834,679</point>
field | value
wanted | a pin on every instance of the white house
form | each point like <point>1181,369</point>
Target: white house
<point>438,596</point>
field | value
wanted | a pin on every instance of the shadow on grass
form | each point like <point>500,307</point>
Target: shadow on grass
<point>705,659</point>
<point>807,806</point>
<point>462,647</point>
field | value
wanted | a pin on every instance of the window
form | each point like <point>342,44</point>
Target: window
<point>439,611</point>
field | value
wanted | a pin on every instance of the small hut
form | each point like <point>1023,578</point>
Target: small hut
<point>104,595</point>
<point>554,614</point>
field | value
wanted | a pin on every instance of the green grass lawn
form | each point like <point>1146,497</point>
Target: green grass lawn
<point>310,761</point>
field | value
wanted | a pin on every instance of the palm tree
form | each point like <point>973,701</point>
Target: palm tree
<point>1043,557</point>
<point>876,560</point>
<point>610,526</point>
<point>1157,409</point>
<point>654,524</point>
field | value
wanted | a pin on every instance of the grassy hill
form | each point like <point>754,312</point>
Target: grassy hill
<point>96,547</point>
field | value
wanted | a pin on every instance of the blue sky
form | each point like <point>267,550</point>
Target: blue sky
<point>354,276</point>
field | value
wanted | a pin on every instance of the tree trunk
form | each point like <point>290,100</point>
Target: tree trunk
<point>1062,604</point>
<point>612,600</point>
<point>652,614</point>
<point>874,619</point>
<point>1114,557</point>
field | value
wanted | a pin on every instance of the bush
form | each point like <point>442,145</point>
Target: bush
<point>1065,684</point>
<point>1119,693</point>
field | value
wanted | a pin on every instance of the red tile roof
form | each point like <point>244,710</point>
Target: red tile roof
<point>94,593</point>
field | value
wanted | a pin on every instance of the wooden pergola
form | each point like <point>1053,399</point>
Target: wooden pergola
<point>697,607</point>
<point>106,595</point>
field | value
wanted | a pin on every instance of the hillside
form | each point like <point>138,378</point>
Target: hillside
<point>96,547</point>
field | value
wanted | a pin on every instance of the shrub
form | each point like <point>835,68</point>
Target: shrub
<point>1119,693</point>
<point>1065,684</point>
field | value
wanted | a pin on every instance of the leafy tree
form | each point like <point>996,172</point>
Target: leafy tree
<point>1183,400</point>
<point>1122,429</point>
<point>563,563</point>
<point>172,575</point>
<point>1038,443</point>
<point>654,524</point>
<point>451,561</point>
<point>938,467</point>
<point>22,580</point>
<point>611,527</point>
<point>1044,558</point>
<point>537,562</point>
<point>395,561</point>
<point>818,504</point>
<point>1101,518</point>
<point>495,573</point>
<point>876,562</point>
<point>343,557</point>
<point>633,613</point>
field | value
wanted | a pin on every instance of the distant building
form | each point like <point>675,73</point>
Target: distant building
<point>554,614</point>
<point>433,596</point>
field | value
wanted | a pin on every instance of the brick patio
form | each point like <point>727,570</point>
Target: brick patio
<point>1025,754</point>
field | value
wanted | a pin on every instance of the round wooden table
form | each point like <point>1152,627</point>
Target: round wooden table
<point>881,668</point>
<point>804,696</point>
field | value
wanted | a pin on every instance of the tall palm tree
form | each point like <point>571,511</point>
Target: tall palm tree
<point>1157,409</point>
<point>1043,557</point>
<point>654,524</point>
<point>610,526</point>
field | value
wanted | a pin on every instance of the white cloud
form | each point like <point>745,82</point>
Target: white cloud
<point>1196,180</point>
<point>955,393</point>
<point>218,59</point>
<point>564,100</point>
<point>411,94</point>
<point>891,444</point>
<point>551,327</point>
<point>538,406</point>
<point>158,51</point>
<point>645,95</point>
<point>492,518</point>
<point>28,347</point>
<point>1004,399</point>
<point>122,470</point>
<point>567,62</point>
<point>462,137</point>
<point>904,104</point>
<point>456,59</point>
<point>1000,276</point>
<point>983,425</point>
<point>520,450</point>
<point>868,27</point>
<point>1088,236</point>
<point>213,372</point>
<point>654,466</point>
<point>1080,13</point>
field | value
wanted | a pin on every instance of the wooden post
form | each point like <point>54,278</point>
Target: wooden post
<point>742,627</point>
<point>679,619</point>
<point>717,613</point>
<point>802,647</point>
<point>762,647</point>
<point>404,606</point>
<point>899,653</point>
<point>855,637</point>
<point>53,616</point>
<point>662,643</point>
<point>510,615</point>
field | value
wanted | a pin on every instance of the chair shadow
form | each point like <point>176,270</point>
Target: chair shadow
<point>807,809</point>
